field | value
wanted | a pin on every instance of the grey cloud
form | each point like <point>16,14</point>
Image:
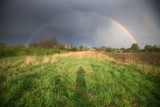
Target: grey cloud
<point>78,21</point>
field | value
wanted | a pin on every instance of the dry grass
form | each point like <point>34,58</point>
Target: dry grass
<point>86,54</point>
<point>30,60</point>
<point>91,54</point>
<point>44,59</point>
<point>149,68</point>
<point>140,58</point>
<point>54,58</point>
<point>118,58</point>
<point>83,54</point>
<point>147,62</point>
<point>144,60</point>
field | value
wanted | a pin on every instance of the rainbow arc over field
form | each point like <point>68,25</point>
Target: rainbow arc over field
<point>116,22</point>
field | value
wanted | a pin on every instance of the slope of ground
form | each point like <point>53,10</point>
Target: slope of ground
<point>75,79</point>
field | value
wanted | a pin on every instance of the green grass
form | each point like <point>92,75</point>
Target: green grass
<point>77,82</point>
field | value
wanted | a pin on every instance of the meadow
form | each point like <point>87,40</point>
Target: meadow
<point>79,79</point>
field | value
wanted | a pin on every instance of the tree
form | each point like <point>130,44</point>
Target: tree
<point>48,43</point>
<point>81,48</point>
<point>134,48</point>
<point>150,48</point>
<point>74,48</point>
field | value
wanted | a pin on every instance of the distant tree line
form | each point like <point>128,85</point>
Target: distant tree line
<point>133,49</point>
<point>147,48</point>
<point>51,46</point>
<point>54,44</point>
<point>150,48</point>
<point>42,47</point>
<point>104,48</point>
<point>48,44</point>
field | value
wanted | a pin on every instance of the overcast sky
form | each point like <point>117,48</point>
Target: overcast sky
<point>76,22</point>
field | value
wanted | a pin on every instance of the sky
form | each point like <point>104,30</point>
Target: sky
<point>93,23</point>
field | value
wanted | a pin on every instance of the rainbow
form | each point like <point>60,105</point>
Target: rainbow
<point>120,25</point>
<point>125,30</point>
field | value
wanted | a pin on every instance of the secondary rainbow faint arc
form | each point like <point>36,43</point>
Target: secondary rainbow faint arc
<point>120,25</point>
<point>126,30</point>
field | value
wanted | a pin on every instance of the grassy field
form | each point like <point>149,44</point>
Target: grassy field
<point>82,79</point>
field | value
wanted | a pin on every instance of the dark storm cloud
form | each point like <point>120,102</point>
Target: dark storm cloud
<point>156,5</point>
<point>69,28</point>
<point>79,21</point>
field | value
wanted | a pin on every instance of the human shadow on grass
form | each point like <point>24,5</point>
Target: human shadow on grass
<point>80,94</point>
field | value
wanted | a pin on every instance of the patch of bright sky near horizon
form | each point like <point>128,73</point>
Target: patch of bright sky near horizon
<point>79,22</point>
